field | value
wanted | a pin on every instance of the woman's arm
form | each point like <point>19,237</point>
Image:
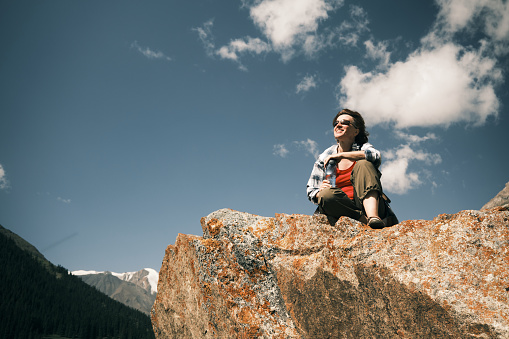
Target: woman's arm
<point>367,152</point>
<point>353,155</point>
<point>315,180</point>
<point>317,175</point>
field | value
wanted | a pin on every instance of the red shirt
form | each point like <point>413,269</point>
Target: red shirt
<point>343,180</point>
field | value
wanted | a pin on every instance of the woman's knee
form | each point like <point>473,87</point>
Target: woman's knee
<point>364,164</point>
<point>365,179</point>
<point>326,194</point>
<point>365,168</point>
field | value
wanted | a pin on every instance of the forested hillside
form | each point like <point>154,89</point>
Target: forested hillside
<point>36,301</point>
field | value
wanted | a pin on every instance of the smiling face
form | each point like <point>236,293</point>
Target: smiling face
<point>343,131</point>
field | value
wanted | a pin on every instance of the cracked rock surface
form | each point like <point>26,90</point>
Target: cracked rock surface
<point>295,276</point>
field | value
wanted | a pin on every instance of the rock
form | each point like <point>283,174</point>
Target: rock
<point>295,276</point>
<point>501,199</point>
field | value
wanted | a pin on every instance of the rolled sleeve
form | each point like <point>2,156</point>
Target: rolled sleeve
<point>315,179</point>
<point>372,154</point>
<point>317,175</point>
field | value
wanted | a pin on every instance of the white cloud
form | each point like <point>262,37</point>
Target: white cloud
<point>149,53</point>
<point>289,27</point>
<point>350,31</point>
<point>4,183</point>
<point>435,87</point>
<point>307,83</point>
<point>65,201</point>
<point>458,15</point>
<point>280,150</point>
<point>206,37</point>
<point>378,52</point>
<point>310,146</point>
<point>232,50</point>
<point>497,22</point>
<point>491,17</point>
<point>414,139</point>
<point>397,177</point>
<point>409,153</point>
<point>454,15</point>
<point>442,82</point>
<point>434,187</point>
<point>286,23</point>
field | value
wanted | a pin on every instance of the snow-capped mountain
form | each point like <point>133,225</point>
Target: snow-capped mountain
<point>134,289</point>
<point>145,278</point>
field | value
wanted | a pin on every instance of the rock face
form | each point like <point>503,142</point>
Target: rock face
<point>502,198</point>
<point>295,276</point>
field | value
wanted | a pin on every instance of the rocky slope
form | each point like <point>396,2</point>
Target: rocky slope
<point>134,289</point>
<point>500,199</point>
<point>295,276</point>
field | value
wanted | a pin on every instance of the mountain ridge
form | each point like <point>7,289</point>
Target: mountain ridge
<point>23,244</point>
<point>150,284</point>
<point>134,289</point>
<point>39,299</point>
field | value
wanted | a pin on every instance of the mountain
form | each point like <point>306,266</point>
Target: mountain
<point>39,299</point>
<point>24,245</point>
<point>134,289</point>
<point>500,199</point>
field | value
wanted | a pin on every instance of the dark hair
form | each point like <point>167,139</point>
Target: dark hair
<point>362,137</point>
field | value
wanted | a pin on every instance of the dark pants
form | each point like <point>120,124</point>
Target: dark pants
<point>334,203</point>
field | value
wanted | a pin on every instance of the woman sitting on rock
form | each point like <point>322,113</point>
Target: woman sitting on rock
<point>356,191</point>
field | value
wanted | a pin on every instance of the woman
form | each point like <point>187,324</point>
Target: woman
<point>358,192</point>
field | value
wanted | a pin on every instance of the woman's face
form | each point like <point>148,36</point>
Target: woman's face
<point>345,132</point>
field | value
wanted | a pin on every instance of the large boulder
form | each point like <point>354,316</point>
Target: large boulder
<point>296,276</point>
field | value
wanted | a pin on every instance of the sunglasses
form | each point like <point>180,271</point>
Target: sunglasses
<point>344,122</point>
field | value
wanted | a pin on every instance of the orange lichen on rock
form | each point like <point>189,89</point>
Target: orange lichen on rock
<point>214,226</point>
<point>261,228</point>
<point>295,276</point>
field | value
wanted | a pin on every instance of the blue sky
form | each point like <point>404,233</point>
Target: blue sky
<point>125,122</point>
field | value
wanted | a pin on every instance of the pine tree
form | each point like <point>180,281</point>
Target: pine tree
<point>40,299</point>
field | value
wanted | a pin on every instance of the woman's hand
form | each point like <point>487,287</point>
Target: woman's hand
<point>325,184</point>
<point>336,156</point>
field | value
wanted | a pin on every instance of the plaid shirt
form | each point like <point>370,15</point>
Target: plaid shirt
<point>318,172</point>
